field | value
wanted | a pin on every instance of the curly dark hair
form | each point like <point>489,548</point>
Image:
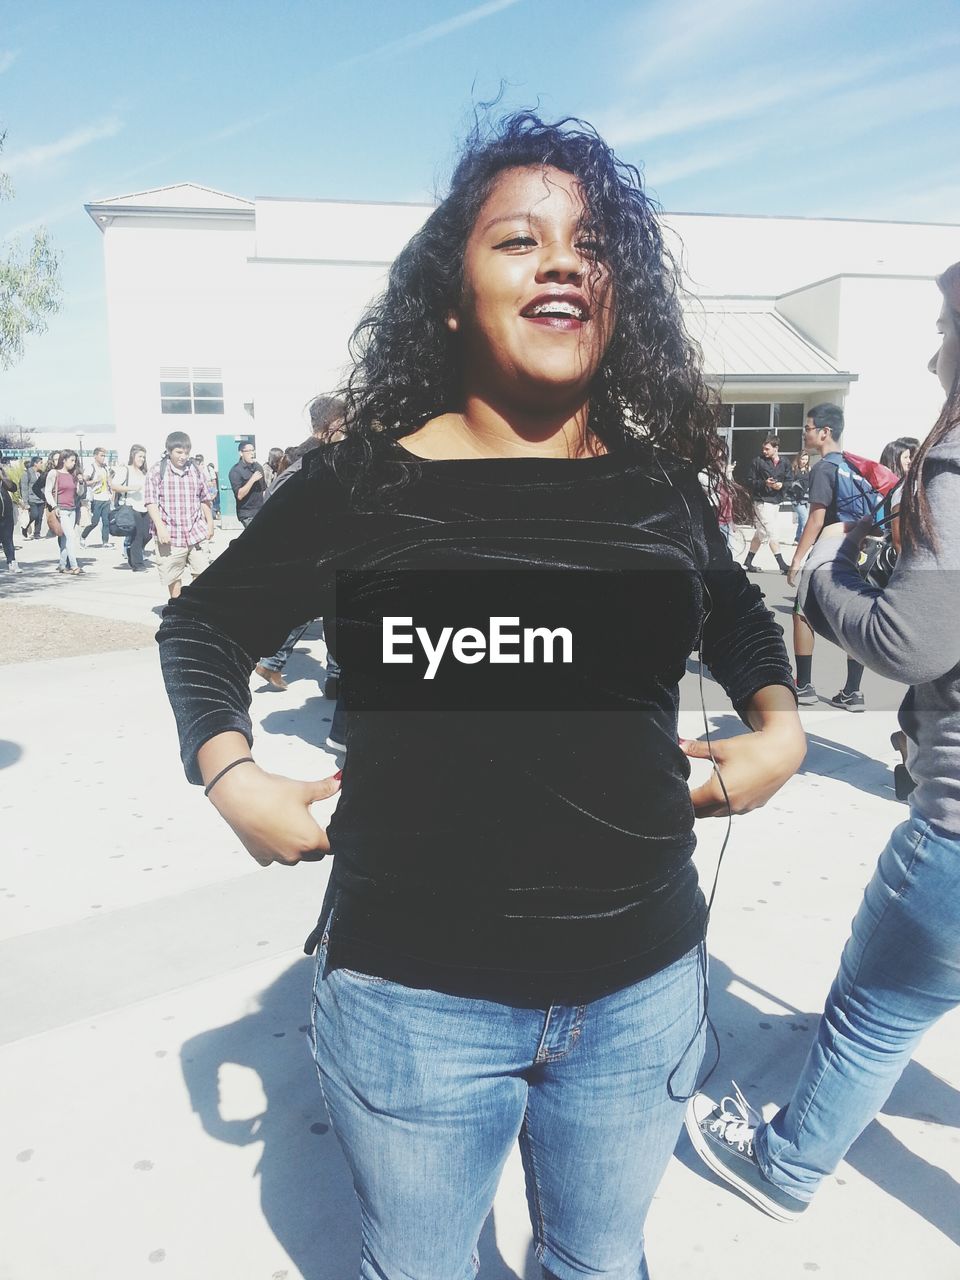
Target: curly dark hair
<point>915,526</point>
<point>407,364</point>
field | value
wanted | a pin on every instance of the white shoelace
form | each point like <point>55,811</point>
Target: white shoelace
<point>737,1121</point>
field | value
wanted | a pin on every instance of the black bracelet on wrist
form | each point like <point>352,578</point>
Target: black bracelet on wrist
<point>213,781</point>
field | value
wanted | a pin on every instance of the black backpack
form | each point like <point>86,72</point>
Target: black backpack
<point>190,463</point>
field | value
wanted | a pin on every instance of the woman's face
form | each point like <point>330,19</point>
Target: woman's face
<point>905,462</point>
<point>139,458</point>
<point>945,361</point>
<point>537,308</point>
<point>69,461</point>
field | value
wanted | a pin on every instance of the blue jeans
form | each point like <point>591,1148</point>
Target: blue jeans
<point>803,513</point>
<point>899,973</point>
<point>427,1093</point>
<point>69,540</point>
<point>99,515</point>
<point>278,660</point>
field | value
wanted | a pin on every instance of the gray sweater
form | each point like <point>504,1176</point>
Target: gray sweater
<point>909,632</point>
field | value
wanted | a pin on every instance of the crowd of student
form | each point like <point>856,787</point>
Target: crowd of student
<point>168,510</point>
<point>85,504</point>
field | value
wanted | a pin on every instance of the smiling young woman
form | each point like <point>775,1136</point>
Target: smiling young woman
<point>511,944</point>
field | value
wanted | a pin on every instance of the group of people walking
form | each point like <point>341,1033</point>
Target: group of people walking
<point>54,493</point>
<point>523,958</point>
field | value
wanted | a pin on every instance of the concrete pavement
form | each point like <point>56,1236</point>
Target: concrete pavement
<point>161,1114</point>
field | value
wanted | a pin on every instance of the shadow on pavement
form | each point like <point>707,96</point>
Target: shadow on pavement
<point>10,753</point>
<point>309,722</point>
<point>39,576</point>
<point>765,1053</point>
<point>306,1192</point>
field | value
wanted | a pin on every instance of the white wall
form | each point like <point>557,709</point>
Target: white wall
<point>303,315</point>
<point>888,333</point>
<point>344,231</point>
<point>815,313</point>
<point>771,256</point>
<point>177,295</point>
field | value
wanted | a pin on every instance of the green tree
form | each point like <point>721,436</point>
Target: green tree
<point>29,287</point>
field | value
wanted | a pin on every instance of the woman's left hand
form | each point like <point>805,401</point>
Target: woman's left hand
<point>754,767</point>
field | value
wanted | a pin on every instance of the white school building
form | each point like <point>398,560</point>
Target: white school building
<point>227,315</point>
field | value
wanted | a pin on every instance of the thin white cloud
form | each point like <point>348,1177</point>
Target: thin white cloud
<point>818,139</point>
<point>49,152</point>
<point>434,32</point>
<point>625,128</point>
<point>687,164</point>
<point>417,38</point>
<point>751,95</point>
<point>57,213</point>
<point>7,58</point>
<point>241,126</point>
<point>669,34</point>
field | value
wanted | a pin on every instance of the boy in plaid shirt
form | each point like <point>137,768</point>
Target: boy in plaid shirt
<point>178,503</point>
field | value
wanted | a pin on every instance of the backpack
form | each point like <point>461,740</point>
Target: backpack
<point>189,463</point>
<point>862,486</point>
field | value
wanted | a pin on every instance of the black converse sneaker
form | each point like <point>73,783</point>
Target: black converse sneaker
<point>722,1137</point>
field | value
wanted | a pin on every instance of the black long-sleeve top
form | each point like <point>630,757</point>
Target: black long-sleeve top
<point>523,832</point>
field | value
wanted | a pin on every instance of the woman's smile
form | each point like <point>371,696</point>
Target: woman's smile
<point>537,308</point>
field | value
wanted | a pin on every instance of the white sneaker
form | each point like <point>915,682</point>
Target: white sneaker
<point>13,567</point>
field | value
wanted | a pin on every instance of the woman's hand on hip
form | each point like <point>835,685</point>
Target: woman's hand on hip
<point>754,765</point>
<point>270,814</point>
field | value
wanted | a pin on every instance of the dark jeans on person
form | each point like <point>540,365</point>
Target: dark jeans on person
<point>133,544</point>
<point>6,535</point>
<point>37,512</point>
<point>278,660</point>
<point>246,516</point>
<point>99,515</point>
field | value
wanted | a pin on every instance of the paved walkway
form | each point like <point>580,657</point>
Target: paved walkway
<point>161,1116</point>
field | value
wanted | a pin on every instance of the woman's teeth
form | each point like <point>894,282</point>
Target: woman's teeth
<point>557,308</point>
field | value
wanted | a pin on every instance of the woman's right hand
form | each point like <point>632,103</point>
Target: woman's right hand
<point>271,816</point>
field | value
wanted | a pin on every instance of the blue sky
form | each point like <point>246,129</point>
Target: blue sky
<point>843,109</point>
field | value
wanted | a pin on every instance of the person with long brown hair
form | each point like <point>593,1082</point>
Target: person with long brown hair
<point>128,485</point>
<point>799,490</point>
<point>900,969</point>
<point>512,944</point>
<point>62,496</point>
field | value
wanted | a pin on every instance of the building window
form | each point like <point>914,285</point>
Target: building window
<point>747,424</point>
<point>191,390</point>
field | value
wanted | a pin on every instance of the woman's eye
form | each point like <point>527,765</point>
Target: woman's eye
<point>593,248</point>
<point>516,242</point>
